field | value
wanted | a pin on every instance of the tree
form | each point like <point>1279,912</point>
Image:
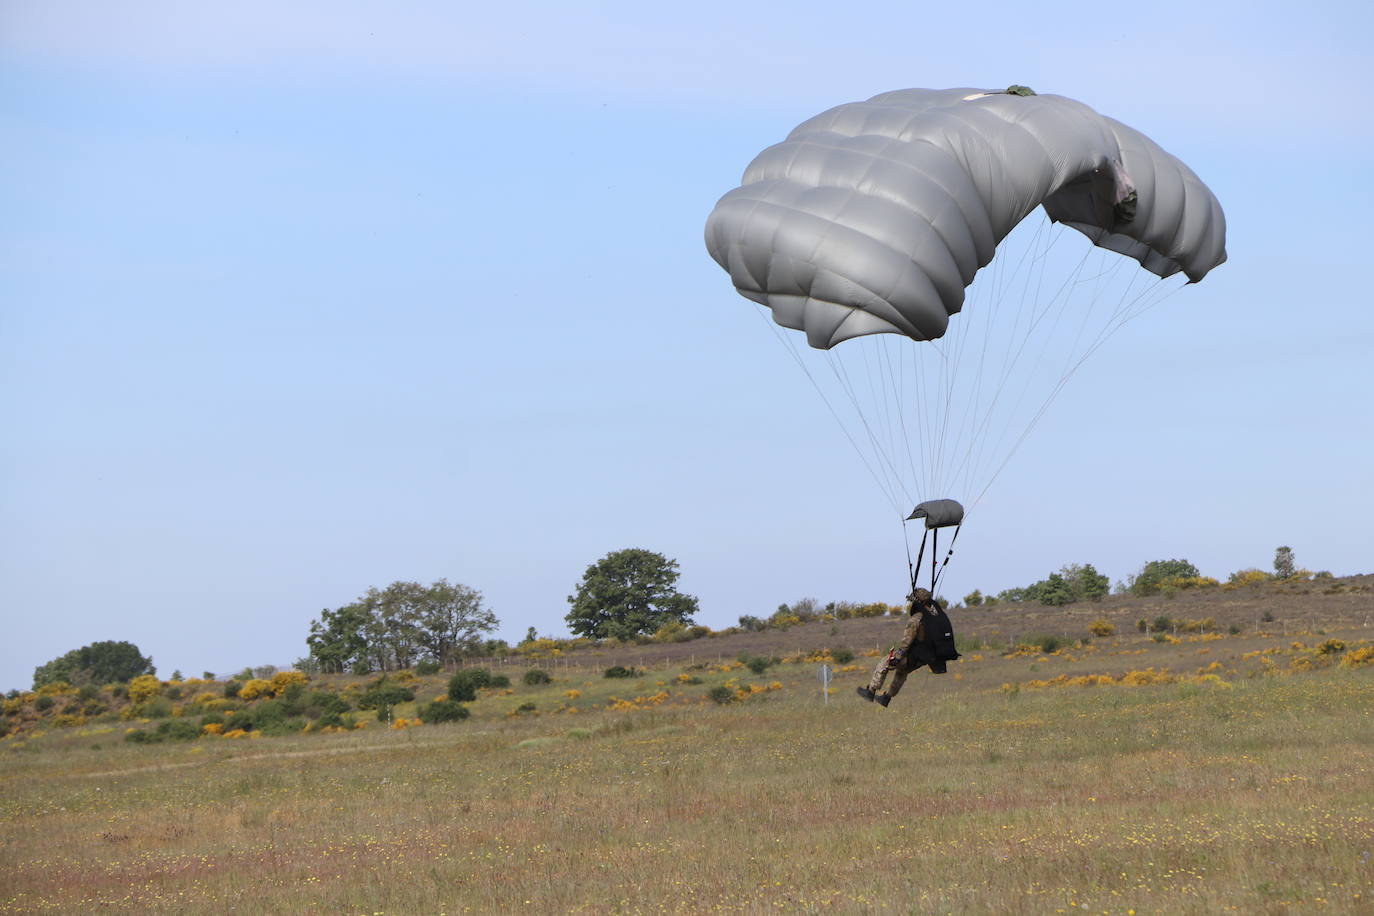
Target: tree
<point>1086,582</point>
<point>399,625</point>
<point>99,663</point>
<point>1054,591</point>
<point>452,620</point>
<point>1158,572</point>
<point>974,598</point>
<point>1283,563</point>
<point>337,640</point>
<point>628,593</point>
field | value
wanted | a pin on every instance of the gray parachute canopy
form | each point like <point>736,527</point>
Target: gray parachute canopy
<point>874,216</point>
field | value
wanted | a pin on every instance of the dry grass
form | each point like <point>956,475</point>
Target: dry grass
<point>1251,791</point>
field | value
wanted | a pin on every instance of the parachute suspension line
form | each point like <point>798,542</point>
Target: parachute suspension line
<point>979,416</point>
<point>915,569</point>
<point>1037,327</point>
<point>790,347</point>
<point>940,575</point>
<point>934,552</point>
<point>881,456</point>
<point>1120,317</point>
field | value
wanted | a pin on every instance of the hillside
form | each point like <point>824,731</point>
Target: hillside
<point>1199,772</point>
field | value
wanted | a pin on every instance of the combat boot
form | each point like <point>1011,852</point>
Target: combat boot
<point>865,693</point>
<point>882,699</point>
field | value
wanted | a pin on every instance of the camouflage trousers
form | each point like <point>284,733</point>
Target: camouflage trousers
<point>889,665</point>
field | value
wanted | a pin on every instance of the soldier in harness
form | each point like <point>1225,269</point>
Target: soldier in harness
<point>927,640</point>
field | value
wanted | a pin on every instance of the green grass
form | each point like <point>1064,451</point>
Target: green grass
<point>1254,795</point>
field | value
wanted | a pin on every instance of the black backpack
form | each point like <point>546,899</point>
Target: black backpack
<point>937,646</point>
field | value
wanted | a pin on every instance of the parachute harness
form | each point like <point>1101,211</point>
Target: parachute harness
<point>936,573</point>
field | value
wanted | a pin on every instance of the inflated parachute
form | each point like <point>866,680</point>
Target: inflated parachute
<point>874,217</point>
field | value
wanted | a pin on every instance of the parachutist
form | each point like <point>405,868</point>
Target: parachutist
<point>927,640</point>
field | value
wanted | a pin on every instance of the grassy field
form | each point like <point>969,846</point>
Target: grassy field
<point>1129,775</point>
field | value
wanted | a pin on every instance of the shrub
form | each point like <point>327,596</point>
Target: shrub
<point>759,664</point>
<point>672,631</point>
<point>156,708</point>
<point>255,688</point>
<point>1244,577</point>
<point>1102,627</point>
<point>443,711</point>
<point>614,671</point>
<point>379,697</point>
<point>500,680</point>
<point>283,681</point>
<point>43,704</point>
<point>461,688</point>
<point>536,676</point>
<point>144,687</point>
<point>232,688</point>
<point>842,656</point>
<point>426,668</point>
<point>179,729</point>
<point>1155,573</point>
<point>974,598</point>
<point>1161,623</point>
<point>320,703</point>
<point>722,694</point>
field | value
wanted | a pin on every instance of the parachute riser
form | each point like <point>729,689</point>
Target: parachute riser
<point>937,566</point>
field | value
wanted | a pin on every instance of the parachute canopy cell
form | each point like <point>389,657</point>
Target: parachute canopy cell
<point>873,217</point>
<point>938,513</point>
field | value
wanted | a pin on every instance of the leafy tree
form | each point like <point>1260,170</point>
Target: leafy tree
<point>337,640</point>
<point>1156,573</point>
<point>1283,563</point>
<point>452,620</point>
<point>627,593</point>
<point>1086,582</point>
<point>1054,591</point>
<point>399,625</point>
<point>974,598</point>
<point>99,663</point>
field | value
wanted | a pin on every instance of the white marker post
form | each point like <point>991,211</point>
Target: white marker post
<point>824,674</point>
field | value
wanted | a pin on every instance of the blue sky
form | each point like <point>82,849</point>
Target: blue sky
<point>297,301</point>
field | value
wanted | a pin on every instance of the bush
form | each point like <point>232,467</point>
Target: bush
<point>536,676</point>
<point>973,598</point>
<point>378,697</point>
<point>500,680</point>
<point>232,688</point>
<point>443,711</point>
<point>179,729</point>
<point>144,687</point>
<point>320,703</point>
<point>1155,573</point>
<point>1102,627</point>
<point>1245,577</point>
<point>156,708</point>
<point>43,704</point>
<point>751,624</point>
<point>461,689</point>
<point>1161,624</point>
<point>758,664</point>
<point>722,694</point>
<point>617,671</point>
<point>842,656</point>
<point>427,667</point>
